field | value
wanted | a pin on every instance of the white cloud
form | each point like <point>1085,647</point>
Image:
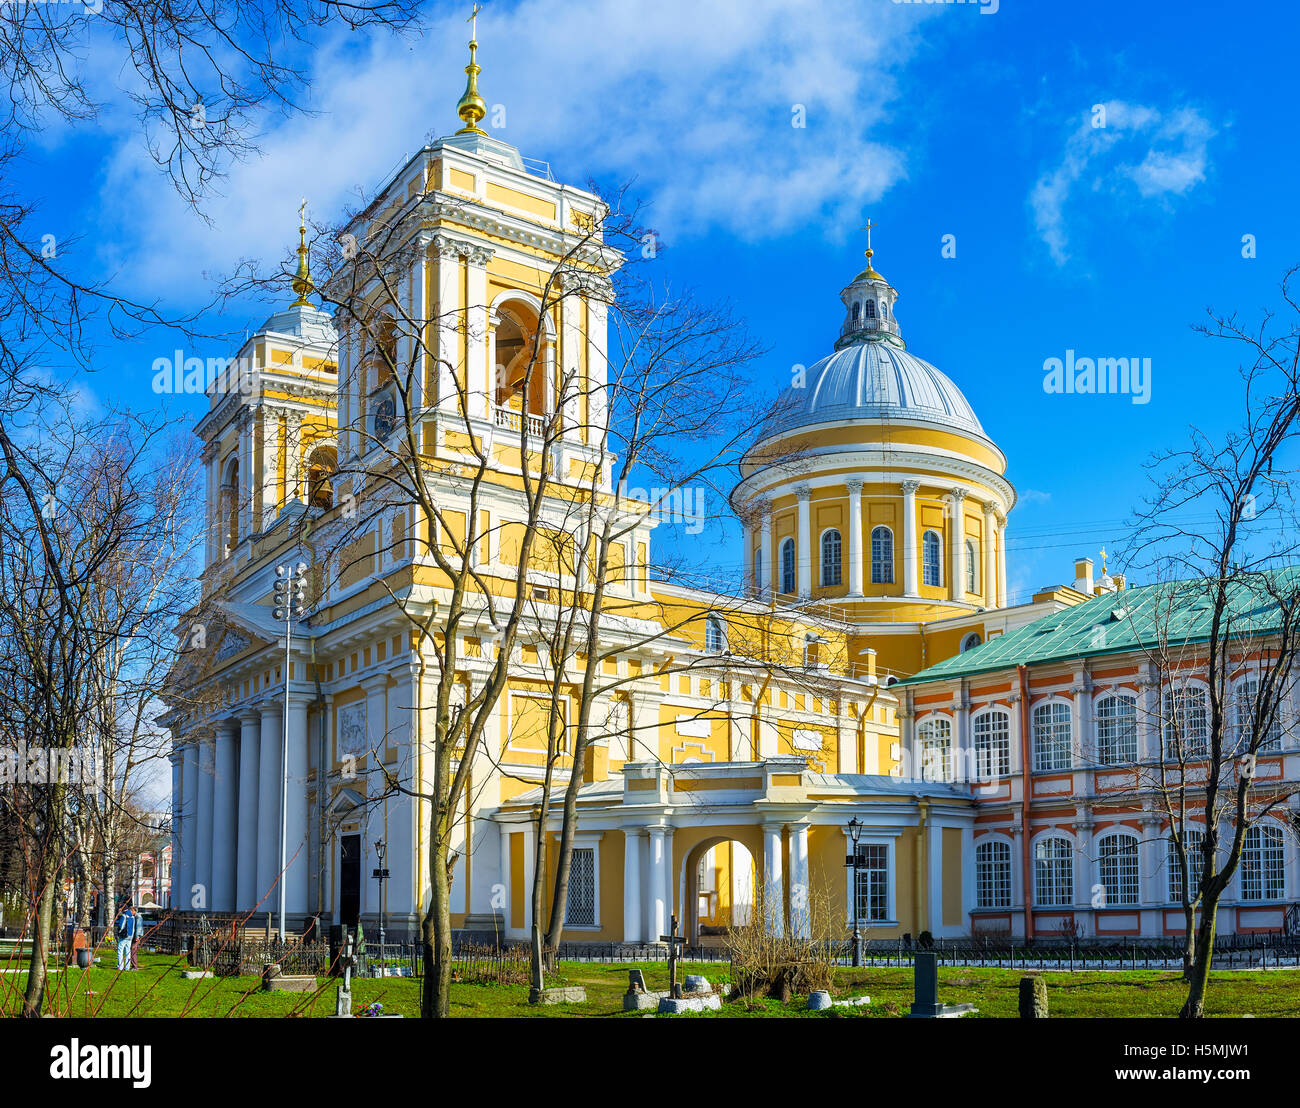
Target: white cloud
<point>691,101</point>
<point>1161,154</point>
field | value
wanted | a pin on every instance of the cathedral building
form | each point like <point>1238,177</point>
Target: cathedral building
<point>874,510</point>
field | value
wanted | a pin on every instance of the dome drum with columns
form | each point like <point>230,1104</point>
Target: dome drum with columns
<point>874,487</point>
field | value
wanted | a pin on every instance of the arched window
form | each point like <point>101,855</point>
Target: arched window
<point>871,309</point>
<point>520,358</point>
<point>230,504</point>
<point>970,642</point>
<point>1187,723</point>
<point>935,736</point>
<point>1194,846</point>
<point>758,567</point>
<point>1263,864</point>
<point>993,874</point>
<point>1118,869</point>
<point>322,464</point>
<point>1116,729</point>
<point>992,744</point>
<point>787,566</point>
<point>832,567</point>
<point>1052,736</point>
<point>972,567</point>
<point>882,556</point>
<point>856,312</point>
<point>1246,707</point>
<point>715,637</point>
<point>1053,872</point>
<point>931,558</point>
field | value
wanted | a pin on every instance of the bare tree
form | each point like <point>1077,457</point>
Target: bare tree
<point>1227,627</point>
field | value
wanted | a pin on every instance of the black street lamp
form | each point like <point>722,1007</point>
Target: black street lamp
<point>855,833</point>
<point>381,875</point>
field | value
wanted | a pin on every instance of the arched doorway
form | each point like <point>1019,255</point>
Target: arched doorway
<point>720,877</point>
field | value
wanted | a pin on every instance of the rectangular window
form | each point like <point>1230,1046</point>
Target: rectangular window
<point>1193,843</point>
<point>580,910</point>
<point>873,882</point>
<point>1116,730</point>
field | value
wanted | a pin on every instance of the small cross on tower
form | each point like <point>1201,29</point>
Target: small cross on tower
<point>675,943</point>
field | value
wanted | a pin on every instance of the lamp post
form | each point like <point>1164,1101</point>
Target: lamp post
<point>290,598</point>
<point>381,875</point>
<point>855,833</point>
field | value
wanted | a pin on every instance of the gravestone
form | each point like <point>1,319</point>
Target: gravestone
<point>675,943</point>
<point>1033,998</point>
<point>343,1003</point>
<point>818,1000</point>
<point>925,1004</point>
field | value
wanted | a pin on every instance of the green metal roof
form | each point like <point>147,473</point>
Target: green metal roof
<point>1173,613</point>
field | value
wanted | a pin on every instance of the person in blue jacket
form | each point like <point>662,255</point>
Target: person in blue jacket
<point>127,925</point>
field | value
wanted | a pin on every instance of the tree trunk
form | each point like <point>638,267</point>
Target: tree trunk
<point>1194,1007</point>
<point>1189,941</point>
<point>435,999</point>
<point>42,923</point>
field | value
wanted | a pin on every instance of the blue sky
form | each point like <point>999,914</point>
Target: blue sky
<point>932,119</point>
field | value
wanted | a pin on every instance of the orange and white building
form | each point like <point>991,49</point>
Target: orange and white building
<point>1073,736</point>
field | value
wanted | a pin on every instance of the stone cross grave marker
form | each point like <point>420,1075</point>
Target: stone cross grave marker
<point>675,943</point>
<point>343,1006</point>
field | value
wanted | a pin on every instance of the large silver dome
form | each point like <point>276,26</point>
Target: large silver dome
<point>874,381</point>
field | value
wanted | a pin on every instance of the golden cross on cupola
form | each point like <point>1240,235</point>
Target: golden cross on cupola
<point>472,107</point>
<point>302,282</point>
<point>870,270</point>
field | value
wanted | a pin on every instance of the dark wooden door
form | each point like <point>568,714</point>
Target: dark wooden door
<point>350,880</point>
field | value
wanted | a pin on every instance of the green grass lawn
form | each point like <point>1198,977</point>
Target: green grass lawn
<point>158,989</point>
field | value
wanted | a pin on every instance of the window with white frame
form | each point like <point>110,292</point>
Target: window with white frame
<point>1053,873</point>
<point>1247,707</point>
<point>832,563</point>
<point>1263,864</point>
<point>1053,737</point>
<point>932,558</point>
<point>872,893</point>
<point>715,638</point>
<point>992,730</point>
<point>993,874</point>
<point>1117,866</point>
<point>1116,715</point>
<point>882,556</point>
<point>972,567</point>
<point>787,566</point>
<point>1194,845</point>
<point>936,749</point>
<point>1187,723</point>
<point>580,909</point>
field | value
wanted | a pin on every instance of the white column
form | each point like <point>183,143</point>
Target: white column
<point>911,576</point>
<point>855,536</point>
<point>957,533</point>
<point>748,585</point>
<point>632,885</point>
<point>448,305</point>
<point>418,340</point>
<point>765,554</point>
<point>800,923</point>
<point>502,905</point>
<point>180,889</point>
<point>270,472</point>
<point>657,885</point>
<point>598,359</point>
<point>203,819</point>
<point>773,883</point>
<point>268,808</point>
<point>246,894</point>
<point>296,849</point>
<point>1002,561</point>
<point>990,557</point>
<point>480,374</point>
<point>804,493</point>
<point>293,459</point>
<point>225,797</point>
<point>244,491</point>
